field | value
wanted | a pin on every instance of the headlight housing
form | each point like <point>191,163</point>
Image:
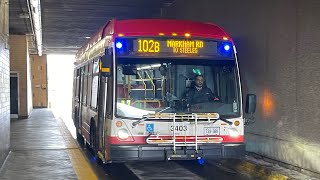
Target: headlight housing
<point>233,132</point>
<point>123,134</point>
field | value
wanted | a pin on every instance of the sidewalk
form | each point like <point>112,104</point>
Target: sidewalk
<point>42,148</point>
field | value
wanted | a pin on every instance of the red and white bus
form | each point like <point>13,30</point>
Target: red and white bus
<point>131,81</point>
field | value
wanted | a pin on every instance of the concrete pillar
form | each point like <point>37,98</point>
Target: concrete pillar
<point>20,64</point>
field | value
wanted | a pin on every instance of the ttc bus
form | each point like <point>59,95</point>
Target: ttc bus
<point>131,81</point>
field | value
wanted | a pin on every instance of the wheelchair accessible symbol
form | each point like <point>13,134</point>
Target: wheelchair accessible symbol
<point>150,128</point>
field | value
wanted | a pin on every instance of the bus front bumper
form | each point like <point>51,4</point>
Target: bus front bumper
<point>121,153</point>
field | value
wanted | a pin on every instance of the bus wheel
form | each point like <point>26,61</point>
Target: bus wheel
<point>93,138</point>
<point>80,139</point>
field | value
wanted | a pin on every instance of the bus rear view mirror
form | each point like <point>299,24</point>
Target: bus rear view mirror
<point>129,70</point>
<point>250,103</point>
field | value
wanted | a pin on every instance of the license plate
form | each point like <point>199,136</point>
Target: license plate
<point>211,131</point>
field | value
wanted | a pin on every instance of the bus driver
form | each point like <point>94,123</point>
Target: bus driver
<point>200,93</point>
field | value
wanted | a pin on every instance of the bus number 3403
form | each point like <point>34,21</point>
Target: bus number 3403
<point>179,128</point>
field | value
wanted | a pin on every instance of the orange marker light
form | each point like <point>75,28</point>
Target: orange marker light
<point>120,35</point>
<point>118,123</point>
<point>187,35</point>
<point>174,34</point>
<point>225,38</point>
<point>268,103</point>
<point>161,34</point>
<point>236,123</point>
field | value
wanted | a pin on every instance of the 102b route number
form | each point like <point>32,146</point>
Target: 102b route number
<point>179,128</point>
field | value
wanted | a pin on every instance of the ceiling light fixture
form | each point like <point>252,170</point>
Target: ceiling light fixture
<point>36,18</point>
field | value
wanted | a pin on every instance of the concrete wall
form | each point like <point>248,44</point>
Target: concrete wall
<point>4,82</point>
<point>29,84</point>
<point>278,43</point>
<point>19,62</point>
<point>39,80</point>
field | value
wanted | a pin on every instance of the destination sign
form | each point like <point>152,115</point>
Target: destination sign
<point>174,47</point>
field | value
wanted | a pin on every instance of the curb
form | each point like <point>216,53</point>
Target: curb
<point>253,170</point>
<point>258,171</point>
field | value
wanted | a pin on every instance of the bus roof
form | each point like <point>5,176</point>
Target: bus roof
<point>153,27</point>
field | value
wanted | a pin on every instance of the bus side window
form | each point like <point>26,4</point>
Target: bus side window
<point>85,84</point>
<point>109,98</point>
<point>95,84</point>
<point>89,83</point>
<point>77,87</point>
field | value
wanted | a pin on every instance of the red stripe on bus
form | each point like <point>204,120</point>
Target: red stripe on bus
<point>142,139</point>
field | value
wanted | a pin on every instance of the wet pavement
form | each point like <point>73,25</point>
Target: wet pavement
<point>38,150</point>
<point>43,148</point>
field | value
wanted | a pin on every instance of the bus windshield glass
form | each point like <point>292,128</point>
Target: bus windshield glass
<point>181,86</point>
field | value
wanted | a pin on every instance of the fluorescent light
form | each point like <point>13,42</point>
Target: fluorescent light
<point>36,16</point>
<point>156,65</point>
<point>149,67</point>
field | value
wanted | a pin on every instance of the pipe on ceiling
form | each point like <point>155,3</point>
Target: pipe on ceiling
<point>36,22</point>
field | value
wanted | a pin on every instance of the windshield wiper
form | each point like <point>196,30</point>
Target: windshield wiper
<point>224,120</point>
<point>164,109</point>
<point>134,124</point>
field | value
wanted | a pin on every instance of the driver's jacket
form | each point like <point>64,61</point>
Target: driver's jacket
<point>195,96</point>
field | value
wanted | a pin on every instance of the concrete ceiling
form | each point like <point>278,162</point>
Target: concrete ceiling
<point>67,23</point>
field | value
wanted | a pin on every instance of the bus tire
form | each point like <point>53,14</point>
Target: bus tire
<point>93,138</point>
<point>75,117</point>
<point>80,138</point>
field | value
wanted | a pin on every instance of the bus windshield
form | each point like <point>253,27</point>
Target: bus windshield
<point>181,86</point>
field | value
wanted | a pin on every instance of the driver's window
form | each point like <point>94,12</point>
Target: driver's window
<point>226,84</point>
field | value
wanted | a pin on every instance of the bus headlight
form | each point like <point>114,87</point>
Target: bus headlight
<point>123,134</point>
<point>233,132</point>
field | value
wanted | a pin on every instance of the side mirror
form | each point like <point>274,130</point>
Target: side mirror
<point>250,107</point>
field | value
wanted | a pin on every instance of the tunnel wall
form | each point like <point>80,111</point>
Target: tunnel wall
<point>4,82</point>
<point>279,55</point>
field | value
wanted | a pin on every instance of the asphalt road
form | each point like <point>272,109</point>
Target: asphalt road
<point>186,170</point>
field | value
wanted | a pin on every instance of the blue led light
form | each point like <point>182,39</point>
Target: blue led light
<point>119,45</point>
<point>226,47</point>
<point>200,160</point>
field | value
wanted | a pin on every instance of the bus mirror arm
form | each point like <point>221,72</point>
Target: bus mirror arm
<point>249,120</point>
